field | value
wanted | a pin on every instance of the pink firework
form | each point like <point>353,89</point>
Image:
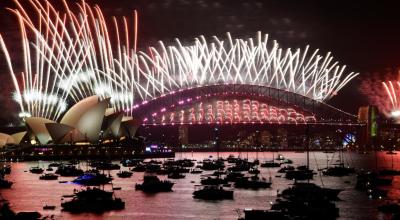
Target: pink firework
<point>392,89</point>
<point>383,91</point>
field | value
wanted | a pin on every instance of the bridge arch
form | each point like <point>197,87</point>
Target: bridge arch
<point>313,111</point>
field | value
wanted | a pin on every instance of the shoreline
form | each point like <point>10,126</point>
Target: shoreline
<point>60,157</point>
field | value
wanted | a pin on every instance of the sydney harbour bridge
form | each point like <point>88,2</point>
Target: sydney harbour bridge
<point>191,115</point>
<point>239,104</point>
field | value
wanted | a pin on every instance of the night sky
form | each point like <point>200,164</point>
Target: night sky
<point>364,35</point>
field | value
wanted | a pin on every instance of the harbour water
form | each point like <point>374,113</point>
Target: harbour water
<point>28,193</point>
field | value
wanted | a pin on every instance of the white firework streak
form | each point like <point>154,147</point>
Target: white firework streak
<point>67,56</point>
<point>71,56</point>
<point>391,109</point>
<point>235,61</point>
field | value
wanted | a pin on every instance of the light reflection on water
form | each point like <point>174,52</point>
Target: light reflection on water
<point>30,194</point>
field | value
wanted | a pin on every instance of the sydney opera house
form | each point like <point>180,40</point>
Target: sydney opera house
<point>87,122</point>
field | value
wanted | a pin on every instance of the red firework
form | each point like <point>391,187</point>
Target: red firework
<point>382,90</point>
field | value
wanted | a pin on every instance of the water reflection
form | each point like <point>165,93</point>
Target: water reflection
<point>30,194</point>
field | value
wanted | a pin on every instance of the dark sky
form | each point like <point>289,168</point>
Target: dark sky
<point>362,34</point>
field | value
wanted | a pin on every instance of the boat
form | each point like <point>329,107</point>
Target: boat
<point>139,168</point>
<point>124,174</point>
<point>152,184</point>
<point>49,169</point>
<point>340,170</point>
<point>218,173</point>
<point>48,176</point>
<point>36,170</point>
<point>179,169</point>
<point>28,215</point>
<point>212,164</point>
<point>185,163</point>
<point>307,201</point>
<point>253,182</point>
<point>68,170</point>
<point>257,214</point>
<point>285,169</point>
<point>154,162</point>
<point>213,193</point>
<point>93,200</point>
<point>152,167</point>
<point>196,171</point>
<point>241,165</point>
<point>6,169</point>
<point>270,164</point>
<point>304,208</point>
<point>130,162</point>
<point>232,176</point>
<point>92,179</point>
<point>310,191</point>
<point>302,172</point>
<point>232,159</point>
<point>68,196</point>
<point>163,171</point>
<point>5,184</point>
<point>299,174</point>
<point>176,175</point>
<point>302,167</point>
<point>287,161</point>
<point>49,207</point>
<point>213,181</point>
<point>104,165</point>
<point>254,170</point>
<point>55,164</point>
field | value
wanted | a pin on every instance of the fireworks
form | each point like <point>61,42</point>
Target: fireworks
<point>69,56</point>
<point>382,91</point>
<point>392,89</point>
<point>239,61</point>
<point>229,111</point>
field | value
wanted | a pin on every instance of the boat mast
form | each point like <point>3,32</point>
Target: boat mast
<point>392,160</point>
<point>217,141</point>
<point>273,156</point>
<point>307,145</point>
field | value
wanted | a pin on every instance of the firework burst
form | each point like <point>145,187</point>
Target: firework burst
<point>66,55</point>
<point>69,56</point>
<point>237,61</point>
<point>382,90</point>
